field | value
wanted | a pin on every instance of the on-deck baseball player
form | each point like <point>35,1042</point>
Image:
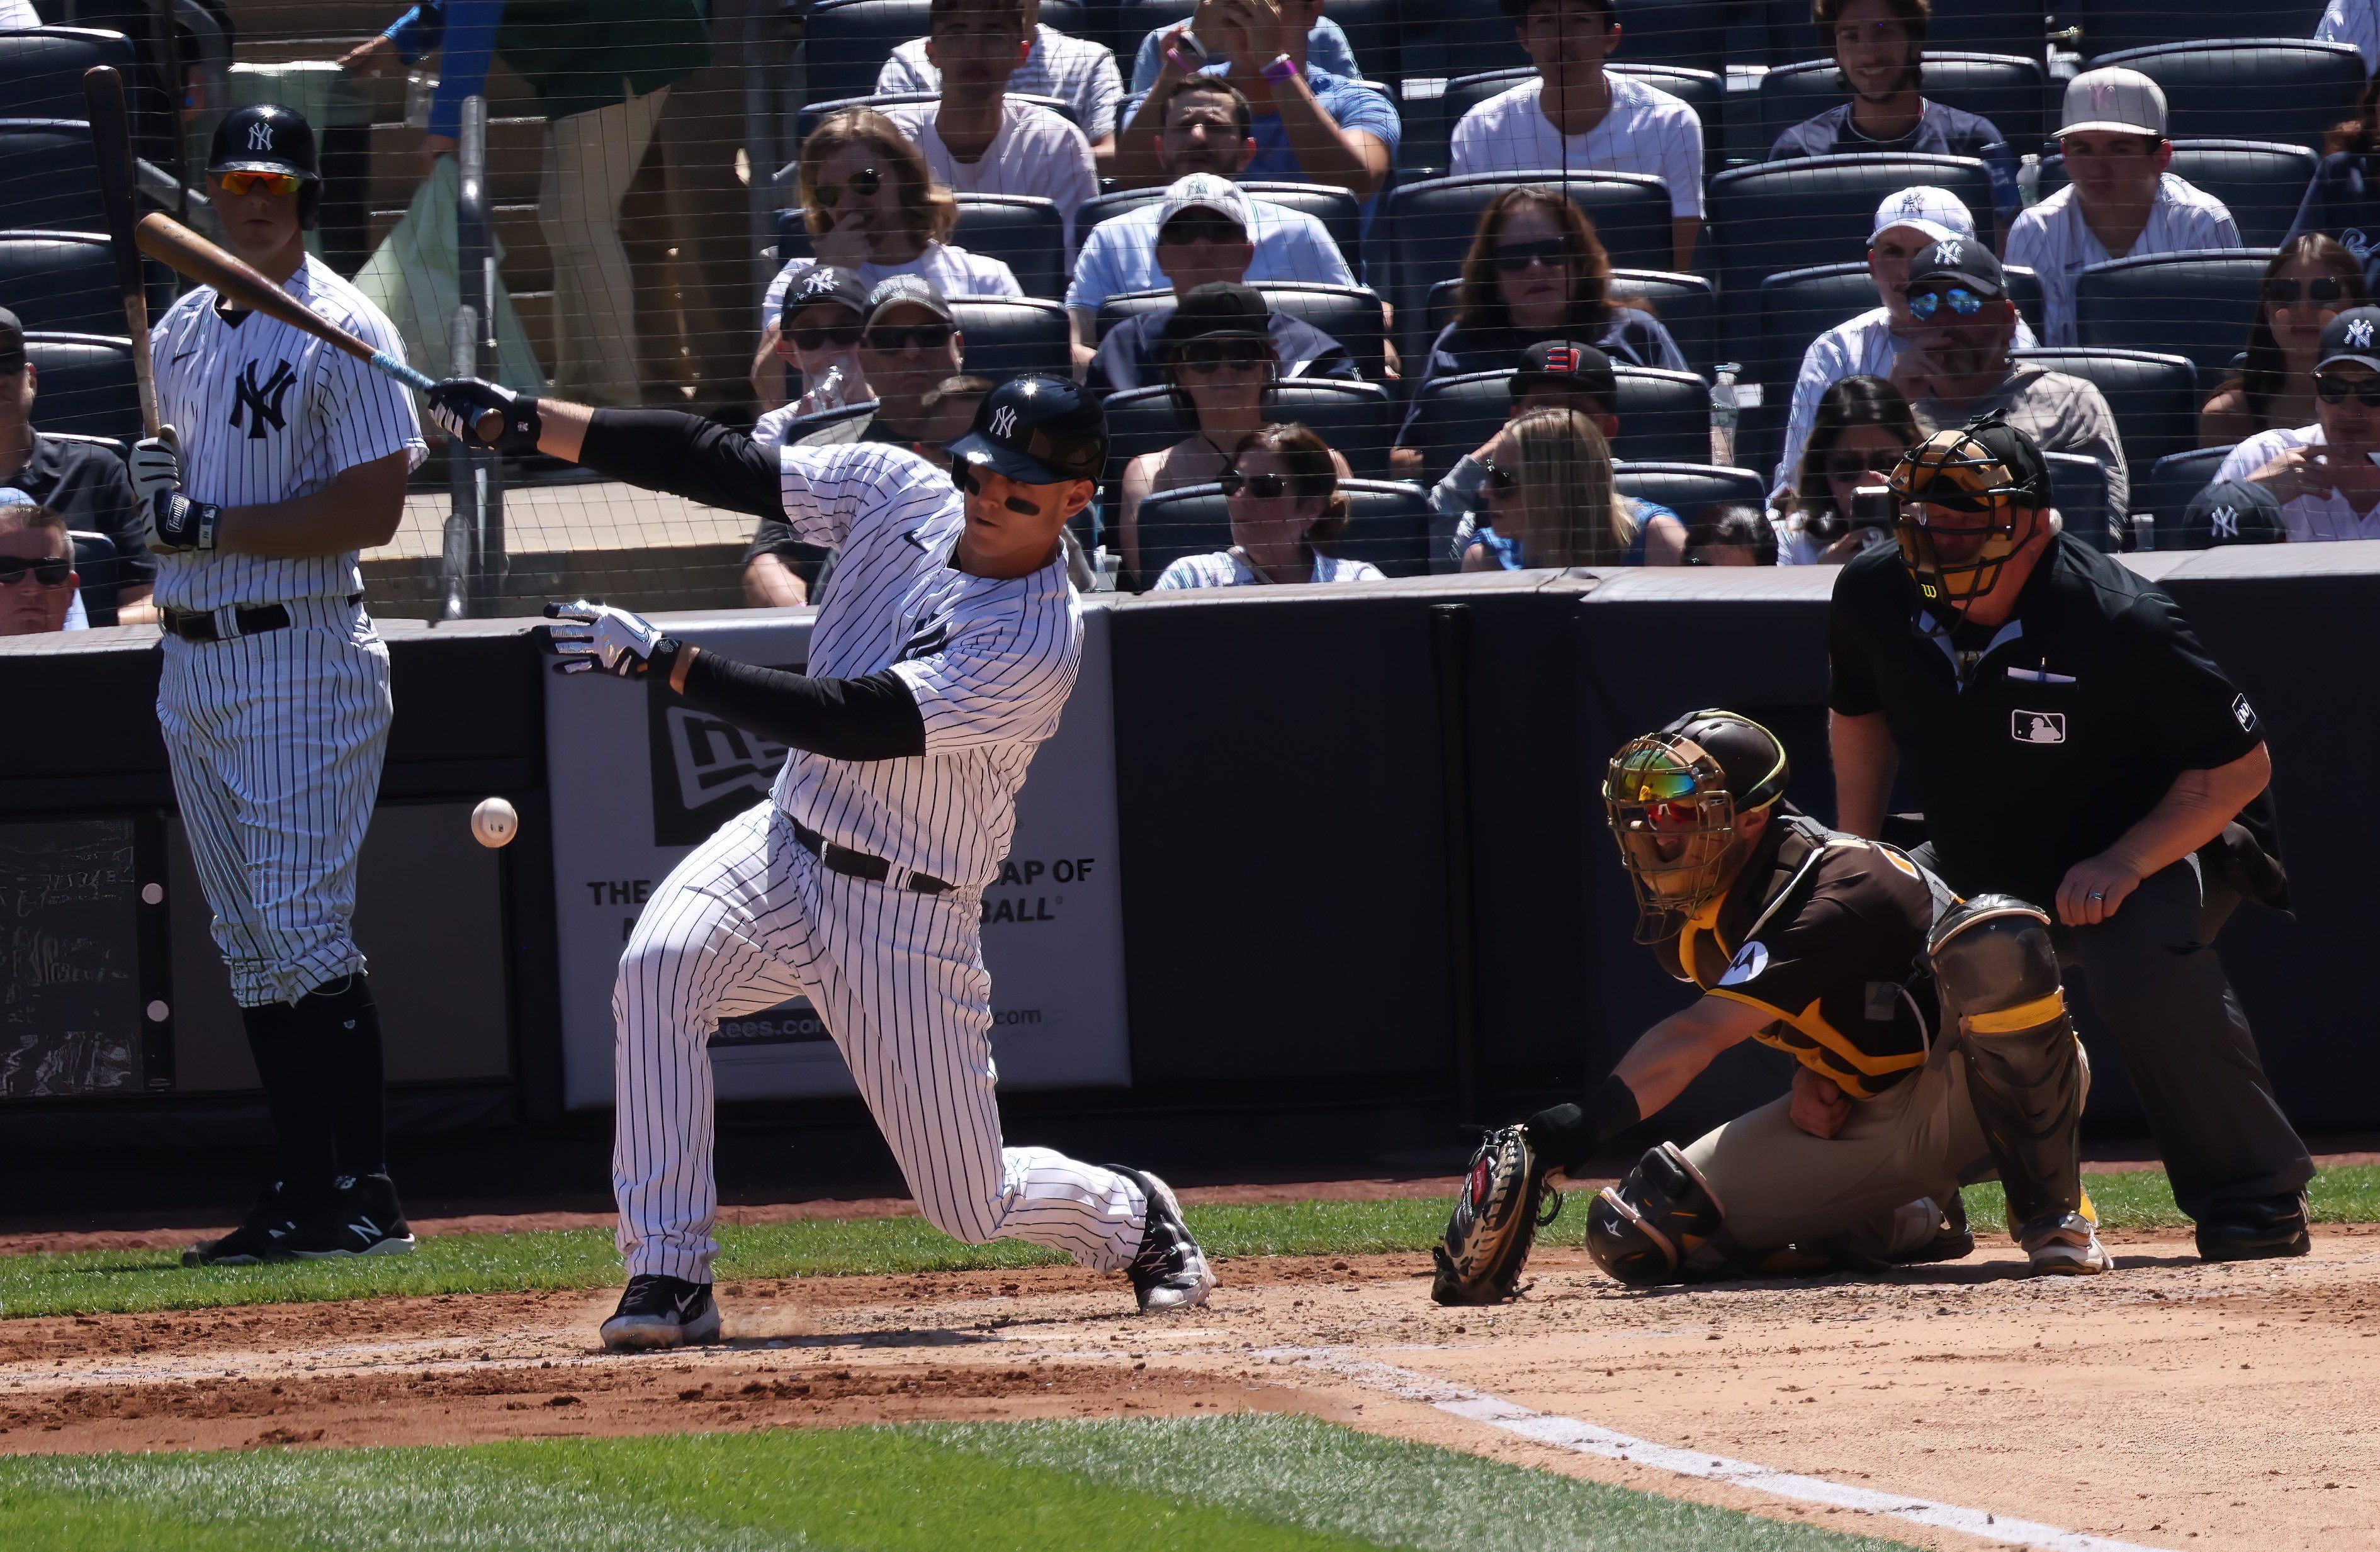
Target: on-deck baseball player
<point>942,659</point>
<point>1836,951</point>
<point>280,458</point>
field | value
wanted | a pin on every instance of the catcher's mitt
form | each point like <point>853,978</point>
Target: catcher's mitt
<point>1495,1219</point>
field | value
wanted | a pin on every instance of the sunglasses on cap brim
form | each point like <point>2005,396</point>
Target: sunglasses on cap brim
<point>1963,301</point>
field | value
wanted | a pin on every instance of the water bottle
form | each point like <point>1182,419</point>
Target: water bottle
<point>2028,179</point>
<point>1725,413</point>
<point>2143,531</point>
<point>831,388</point>
<point>421,93</point>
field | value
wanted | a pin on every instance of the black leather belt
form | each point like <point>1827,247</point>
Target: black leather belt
<point>859,865</point>
<point>199,625</point>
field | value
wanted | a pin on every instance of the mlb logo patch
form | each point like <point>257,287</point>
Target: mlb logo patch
<point>2037,727</point>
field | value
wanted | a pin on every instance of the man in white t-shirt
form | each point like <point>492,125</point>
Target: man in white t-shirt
<point>1076,71</point>
<point>1870,344</point>
<point>2119,202</point>
<point>1578,117</point>
<point>977,139</point>
<point>2327,476</point>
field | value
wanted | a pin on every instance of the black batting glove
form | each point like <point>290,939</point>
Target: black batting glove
<point>460,404</point>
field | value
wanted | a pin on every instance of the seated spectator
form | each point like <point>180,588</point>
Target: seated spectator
<point>1956,366</point>
<point>1730,534</point>
<point>1579,118</point>
<point>2311,281</point>
<point>1879,46</point>
<point>1076,71</point>
<point>2119,202</point>
<point>1550,501</point>
<point>1871,343</point>
<point>2324,476</point>
<point>871,206</point>
<point>1199,246</point>
<point>1862,427</point>
<point>2343,200</point>
<point>818,342</point>
<point>977,139</point>
<point>86,486</point>
<point>1309,125</point>
<point>2235,512</point>
<point>1326,47</point>
<point>38,581</point>
<point>1281,492</point>
<point>2355,22</point>
<point>1217,359</point>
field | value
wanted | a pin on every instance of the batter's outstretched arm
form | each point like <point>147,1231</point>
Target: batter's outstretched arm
<point>653,449</point>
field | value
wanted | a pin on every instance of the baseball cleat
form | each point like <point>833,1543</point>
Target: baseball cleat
<point>657,1310</point>
<point>2255,1231</point>
<point>363,1218</point>
<point>1171,1271</point>
<point>258,1238</point>
<point>2065,1246</point>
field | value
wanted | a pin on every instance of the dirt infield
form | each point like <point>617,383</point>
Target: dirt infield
<point>2169,1404</point>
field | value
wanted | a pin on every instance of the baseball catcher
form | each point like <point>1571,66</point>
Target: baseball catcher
<point>1930,1033</point>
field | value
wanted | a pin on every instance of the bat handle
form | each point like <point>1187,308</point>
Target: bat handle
<point>488,427</point>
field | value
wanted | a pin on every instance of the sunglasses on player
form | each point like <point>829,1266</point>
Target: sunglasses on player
<point>1520,258</point>
<point>863,183</point>
<point>889,338</point>
<point>49,574</point>
<point>2286,293</point>
<point>963,475</point>
<point>839,334</point>
<point>260,183</point>
<point>1924,305</point>
<point>1667,798</point>
<point>2337,390</point>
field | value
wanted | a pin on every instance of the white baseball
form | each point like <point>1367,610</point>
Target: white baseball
<point>494,822</point>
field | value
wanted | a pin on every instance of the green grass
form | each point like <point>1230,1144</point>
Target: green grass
<point>101,1281</point>
<point>1248,1481</point>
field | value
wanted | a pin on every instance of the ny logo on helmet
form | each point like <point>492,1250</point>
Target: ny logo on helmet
<point>260,136</point>
<point>1003,422</point>
<point>2358,334</point>
<point>2227,522</point>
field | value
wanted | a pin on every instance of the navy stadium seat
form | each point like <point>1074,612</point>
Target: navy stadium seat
<point>1682,303</point>
<point>2114,25</point>
<point>2078,485</point>
<point>1348,314</point>
<point>61,282</point>
<point>1388,524</point>
<point>2272,88</point>
<point>807,118</point>
<point>1664,417</point>
<point>2261,182</point>
<point>52,180</point>
<point>1818,210</point>
<point>1028,235</point>
<point>86,386</point>
<point>42,67</point>
<point>95,575</point>
<point>1977,26</point>
<point>2200,305</point>
<point>1795,308</point>
<point>1687,487</point>
<point>1006,335</point>
<point>2170,487</point>
<point>848,41</point>
<point>1355,417</point>
<point>2154,398</point>
<point>2003,87</point>
<point>1335,208</point>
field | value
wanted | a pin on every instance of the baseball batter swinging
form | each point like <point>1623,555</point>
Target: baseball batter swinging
<point>280,458</point>
<point>1837,950</point>
<point>943,657</point>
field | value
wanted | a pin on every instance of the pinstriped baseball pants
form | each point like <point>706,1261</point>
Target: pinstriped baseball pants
<point>749,921</point>
<point>275,742</point>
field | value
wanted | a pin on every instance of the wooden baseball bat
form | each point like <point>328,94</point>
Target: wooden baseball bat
<point>167,240</point>
<point>111,143</point>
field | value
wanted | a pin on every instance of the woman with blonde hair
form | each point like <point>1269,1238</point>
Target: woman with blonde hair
<point>1548,498</point>
<point>1281,492</point>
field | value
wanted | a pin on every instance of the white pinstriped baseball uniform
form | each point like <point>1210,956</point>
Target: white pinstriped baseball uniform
<point>275,739</point>
<point>1647,131</point>
<point>750,919</point>
<point>2053,240</point>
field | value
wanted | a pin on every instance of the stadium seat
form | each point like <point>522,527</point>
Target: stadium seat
<point>2115,26</point>
<point>1817,210</point>
<point>42,67</point>
<point>1028,235</point>
<point>848,41</point>
<point>2170,486</point>
<point>2003,87</point>
<point>1350,315</point>
<point>1355,417</point>
<point>1335,208</point>
<point>1686,488</point>
<point>86,386</point>
<point>1976,25</point>
<point>2261,182</point>
<point>2272,88</point>
<point>1664,417</point>
<point>1682,303</point>
<point>1387,525</point>
<point>61,282</point>
<point>2154,398</point>
<point>1010,335</point>
<point>95,575</point>
<point>53,182</point>
<point>807,119</point>
<point>2078,485</point>
<point>2199,305</point>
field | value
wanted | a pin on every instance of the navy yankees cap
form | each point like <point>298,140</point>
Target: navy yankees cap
<point>2353,335</point>
<point>2236,512</point>
<point>1962,260</point>
<point>828,283</point>
<point>1565,364</point>
<point>1038,429</point>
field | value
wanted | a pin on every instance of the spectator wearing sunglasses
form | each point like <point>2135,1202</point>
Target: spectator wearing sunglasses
<point>1281,492</point>
<point>2119,202</point>
<point>1862,427</point>
<point>1076,71</point>
<point>85,485</point>
<point>1730,534</point>
<point>2311,281</point>
<point>37,569</point>
<point>817,344</point>
<point>1547,498</point>
<point>1957,365</point>
<point>2327,476</point>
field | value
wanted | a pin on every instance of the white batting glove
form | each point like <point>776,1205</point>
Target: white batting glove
<point>156,466</point>
<point>592,635</point>
<point>173,523</point>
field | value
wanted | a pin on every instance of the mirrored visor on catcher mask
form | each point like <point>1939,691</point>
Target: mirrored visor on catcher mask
<point>1670,811</point>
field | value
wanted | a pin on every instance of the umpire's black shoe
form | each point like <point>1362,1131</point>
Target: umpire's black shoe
<point>661,1310</point>
<point>2256,1231</point>
<point>362,1218</point>
<point>262,1236</point>
<point>1171,1271</point>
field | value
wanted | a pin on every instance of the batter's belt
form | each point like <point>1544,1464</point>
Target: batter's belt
<point>225,624</point>
<point>859,865</point>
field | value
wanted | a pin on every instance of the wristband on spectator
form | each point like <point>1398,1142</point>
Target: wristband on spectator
<point>1282,68</point>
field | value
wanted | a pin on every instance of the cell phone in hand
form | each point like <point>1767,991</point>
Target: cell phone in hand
<point>1193,52</point>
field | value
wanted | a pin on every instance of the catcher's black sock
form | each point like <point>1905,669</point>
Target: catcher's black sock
<point>1567,1136</point>
<point>343,1022</point>
<point>293,1095</point>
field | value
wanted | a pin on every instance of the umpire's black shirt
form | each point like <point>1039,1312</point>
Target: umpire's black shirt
<point>2038,744</point>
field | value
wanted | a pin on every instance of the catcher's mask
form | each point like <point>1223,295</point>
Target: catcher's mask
<point>1674,799</point>
<point>1965,486</point>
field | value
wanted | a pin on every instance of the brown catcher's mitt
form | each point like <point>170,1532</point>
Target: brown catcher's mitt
<point>1495,1219</point>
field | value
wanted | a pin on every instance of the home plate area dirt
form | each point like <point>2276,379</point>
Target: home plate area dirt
<point>2170,1403</point>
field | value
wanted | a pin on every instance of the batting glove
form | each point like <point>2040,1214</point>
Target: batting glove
<point>457,405</point>
<point>173,524</point>
<point>595,635</point>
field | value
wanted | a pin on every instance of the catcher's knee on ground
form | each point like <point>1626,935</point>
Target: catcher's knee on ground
<point>1659,1224</point>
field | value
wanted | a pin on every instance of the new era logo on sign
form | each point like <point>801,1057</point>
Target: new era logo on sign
<point>2037,727</point>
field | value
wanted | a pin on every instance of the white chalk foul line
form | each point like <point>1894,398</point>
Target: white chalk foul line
<point>1587,1438</point>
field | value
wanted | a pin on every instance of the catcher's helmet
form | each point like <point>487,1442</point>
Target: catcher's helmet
<point>1985,469</point>
<point>1673,799</point>
<point>268,138</point>
<point>1038,430</point>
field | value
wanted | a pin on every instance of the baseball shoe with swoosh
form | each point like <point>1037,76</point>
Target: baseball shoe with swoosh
<point>362,1218</point>
<point>1171,1271</point>
<point>657,1310</point>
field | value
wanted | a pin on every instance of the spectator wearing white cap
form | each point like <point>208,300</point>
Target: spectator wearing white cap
<point>2327,476</point>
<point>1076,71</point>
<point>1870,344</point>
<point>2119,202</point>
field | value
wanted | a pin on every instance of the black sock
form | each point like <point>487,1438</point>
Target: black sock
<point>293,1095</point>
<point>343,1023</point>
<point>1569,1136</point>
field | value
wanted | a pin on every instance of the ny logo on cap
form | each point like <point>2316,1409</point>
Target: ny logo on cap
<point>1945,252</point>
<point>260,136</point>
<point>2358,332</point>
<point>2100,93</point>
<point>1003,422</point>
<point>2227,522</point>
<point>1910,204</point>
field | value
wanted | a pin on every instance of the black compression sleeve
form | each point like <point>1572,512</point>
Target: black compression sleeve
<point>870,718</point>
<point>685,455</point>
